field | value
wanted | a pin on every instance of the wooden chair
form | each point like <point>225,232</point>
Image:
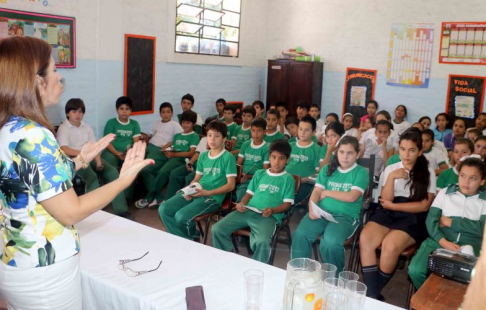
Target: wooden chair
<point>226,207</point>
<point>353,241</point>
<point>283,227</point>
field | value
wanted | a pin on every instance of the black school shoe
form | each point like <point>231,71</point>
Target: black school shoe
<point>126,215</point>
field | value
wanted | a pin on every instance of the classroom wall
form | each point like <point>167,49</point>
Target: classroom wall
<point>356,33</point>
<point>98,77</point>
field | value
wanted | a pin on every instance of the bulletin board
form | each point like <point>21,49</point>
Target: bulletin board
<point>463,43</point>
<point>359,88</point>
<point>58,31</point>
<point>465,97</point>
<point>238,106</point>
<point>139,81</point>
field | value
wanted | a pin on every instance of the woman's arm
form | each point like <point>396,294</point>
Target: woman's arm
<point>69,209</point>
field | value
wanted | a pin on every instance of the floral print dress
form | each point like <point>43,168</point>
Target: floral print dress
<point>32,169</point>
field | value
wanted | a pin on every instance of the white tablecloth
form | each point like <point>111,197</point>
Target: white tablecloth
<point>105,239</point>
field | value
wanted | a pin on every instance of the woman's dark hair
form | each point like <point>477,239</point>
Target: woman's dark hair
<point>448,119</point>
<point>335,161</point>
<point>337,127</point>
<point>424,117</point>
<point>384,123</point>
<point>469,143</point>
<point>419,178</point>
<point>460,119</point>
<point>404,109</point>
<point>372,102</point>
<point>474,162</point>
<point>24,62</point>
<point>418,124</point>
<point>74,104</point>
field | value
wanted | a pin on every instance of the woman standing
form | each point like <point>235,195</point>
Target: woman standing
<point>40,265</point>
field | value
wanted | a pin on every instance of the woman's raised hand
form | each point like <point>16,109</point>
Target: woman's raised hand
<point>90,150</point>
<point>134,162</point>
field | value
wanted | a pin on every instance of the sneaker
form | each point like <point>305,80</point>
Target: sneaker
<point>142,203</point>
<point>155,204</point>
<point>127,215</point>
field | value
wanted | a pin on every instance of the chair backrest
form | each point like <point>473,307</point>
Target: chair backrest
<point>297,183</point>
<point>368,163</point>
<point>239,174</point>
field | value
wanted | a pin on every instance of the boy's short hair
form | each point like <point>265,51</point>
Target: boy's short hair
<point>303,105</point>
<point>218,127</point>
<point>260,123</point>
<point>189,116</point>
<point>230,108</point>
<point>428,132</point>
<point>221,100</point>
<point>258,103</point>
<point>281,146</point>
<point>124,100</point>
<point>188,97</point>
<point>464,141</point>
<point>384,123</point>
<point>274,112</point>
<point>166,105</point>
<point>292,120</point>
<point>206,122</point>
<point>282,104</point>
<point>475,131</point>
<point>315,105</point>
<point>309,119</point>
<point>249,110</point>
<point>74,104</point>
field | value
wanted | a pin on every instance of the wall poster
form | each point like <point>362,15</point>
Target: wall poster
<point>463,43</point>
<point>359,88</point>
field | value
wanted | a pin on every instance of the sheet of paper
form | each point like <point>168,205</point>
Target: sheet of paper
<point>253,209</point>
<point>52,34</point>
<point>358,96</point>
<point>465,106</point>
<point>322,213</point>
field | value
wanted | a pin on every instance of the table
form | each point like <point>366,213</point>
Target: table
<point>106,238</point>
<point>439,293</point>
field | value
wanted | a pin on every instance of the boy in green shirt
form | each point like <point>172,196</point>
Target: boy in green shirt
<point>462,147</point>
<point>220,104</point>
<point>183,146</point>
<point>229,114</point>
<point>242,133</point>
<point>270,194</point>
<point>304,159</point>
<point>127,132</point>
<point>215,174</point>
<point>272,132</point>
<point>253,156</point>
<point>259,108</point>
<point>187,104</point>
<point>292,126</point>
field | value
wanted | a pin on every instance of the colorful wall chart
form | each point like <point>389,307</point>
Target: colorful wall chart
<point>410,55</point>
<point>463,43</point>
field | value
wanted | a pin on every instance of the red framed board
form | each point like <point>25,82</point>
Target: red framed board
<point>463,43</point>
<point>465,97</point>
<point>359,88</point>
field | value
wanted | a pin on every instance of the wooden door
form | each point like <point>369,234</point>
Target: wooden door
<point>277,81</point>
<point>300,84</point>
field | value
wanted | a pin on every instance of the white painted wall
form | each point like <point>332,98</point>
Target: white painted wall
<point>356,33</point>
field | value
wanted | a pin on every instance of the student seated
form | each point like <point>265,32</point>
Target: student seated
<point>480,147</point>
<point>473,133</point>
<point>369,124</point>
<point>330,118</point>
<point>304,159</point>
<point>127,132</point>
<point>407,190</point>
<point>456,218</point>
<point>259,109</point>
<point>437,159</point>
<point>272,192</point>
<point>426,122</point>
<point>399,122</point>
<point>253,156</point>
<point>315,112</point>
<point>216,173</point>
<point>272,133</point>
<point>220,104</point>
<point>339,191</point>
<point>292,126</point>
<point>458,131</point>
<point>302,109</point>
<point>371,108</point>
<point>183,175</point>
<point>381,116</point>
<point>380,145</point>
<point>243,132</point>
<point>229,115</point>
<point>187,104</point>
<point>182,146</point>
<point>283,110</point>
<point>334,132</point>
<point>462,147</point>
<point>396,157</point>
<point>348,121</point>
<point>442,129</point>
<point>72,136</point>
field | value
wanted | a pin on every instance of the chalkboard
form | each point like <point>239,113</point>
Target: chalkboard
<point>359,88</point>
<point>465,97</point>
<point>140,72</point>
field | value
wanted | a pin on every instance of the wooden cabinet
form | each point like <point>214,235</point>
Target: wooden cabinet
<point>293,81</point>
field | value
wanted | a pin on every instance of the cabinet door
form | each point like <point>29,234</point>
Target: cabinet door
<point>277,82</point>
<point>300,84</point>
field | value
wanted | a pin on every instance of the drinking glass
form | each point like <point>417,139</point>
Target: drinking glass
<point>347,276</point>
<point>336,301</point>
<point>253,289</point>
<point>356,292</point>
<point>333,285</point>
<point>328,271</point>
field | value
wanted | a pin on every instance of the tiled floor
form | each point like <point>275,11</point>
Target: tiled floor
<point>395,292</point>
